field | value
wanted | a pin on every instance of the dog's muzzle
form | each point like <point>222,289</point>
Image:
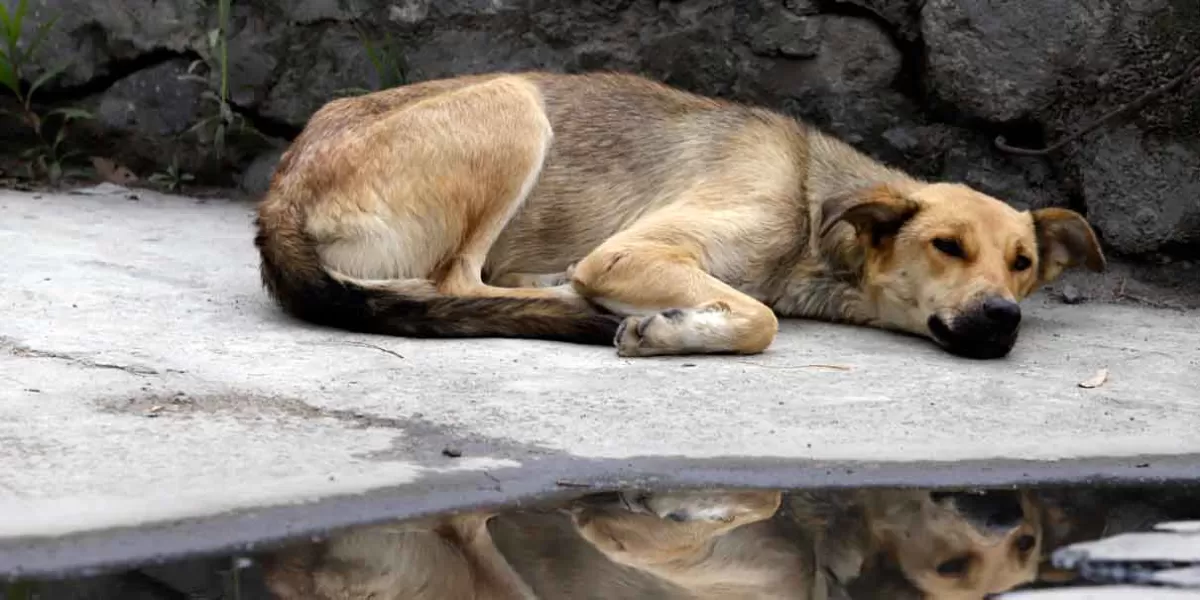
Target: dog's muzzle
<point>987,330</point>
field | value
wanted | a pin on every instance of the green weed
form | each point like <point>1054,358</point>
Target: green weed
<point>20,590</point>
<point>50,129</point>
<point>173,178</point>
<point>223,120</point>
<point>386,57</point>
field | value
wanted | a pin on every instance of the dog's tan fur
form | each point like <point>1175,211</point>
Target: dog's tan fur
<point>513,204</point>
<point>439,558</point>
<point>681,545</point>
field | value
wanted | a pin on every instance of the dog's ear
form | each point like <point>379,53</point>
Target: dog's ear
<point>1065,240</point>
<point>875,212</point>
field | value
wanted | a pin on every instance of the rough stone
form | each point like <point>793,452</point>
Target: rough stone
<point>1071,294</point>
<point>319,65</point>
<point>791,36</point>
<point>1001,61</point>
<point>1024,182</point>
<point>257,177</point>
<point>89,38</point>
<point>1141,192</point>
<point>846,89</point>
<point>157,103</point>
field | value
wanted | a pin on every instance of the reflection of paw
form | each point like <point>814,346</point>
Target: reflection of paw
<point>675,331</point>
<point>705,506</point>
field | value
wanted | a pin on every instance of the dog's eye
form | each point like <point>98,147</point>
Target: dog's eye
<point>954,567</point>
<point>1026,543</point>
<point>948,246</point>
<point>1021,263</point>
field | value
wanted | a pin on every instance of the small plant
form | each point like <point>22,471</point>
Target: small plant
<point>18,591</point>
<point>50,129</point>
<point>173,178</point>
<point>386,56</point>
<point>224,120</point>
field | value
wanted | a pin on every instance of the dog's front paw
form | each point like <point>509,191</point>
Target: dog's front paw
<point>627,339</point>
<point>675,331</point>
<point>706,506</point>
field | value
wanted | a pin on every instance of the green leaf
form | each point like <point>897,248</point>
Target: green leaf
<point>41,80</point>
<point>18,19</point>
<point>191,77</point>
<point>200,124</point>
<point>8,78</point>
<point>226,112</point>
<point>54,172</point>
<point>69,114</point>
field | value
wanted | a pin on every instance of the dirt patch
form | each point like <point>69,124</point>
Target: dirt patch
<point>1169,285</point>
<point>418,439</point>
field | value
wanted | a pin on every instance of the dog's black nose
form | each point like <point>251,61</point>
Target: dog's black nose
<point>1004,314</point>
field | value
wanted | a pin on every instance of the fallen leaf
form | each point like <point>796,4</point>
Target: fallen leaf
<point>1096,380</point>
<point>112,172</point>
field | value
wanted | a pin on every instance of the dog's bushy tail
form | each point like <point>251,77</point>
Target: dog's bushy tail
<point>292,273</point>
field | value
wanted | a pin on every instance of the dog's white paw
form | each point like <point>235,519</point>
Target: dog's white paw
<point>705,506</point>
<point>676,331</point>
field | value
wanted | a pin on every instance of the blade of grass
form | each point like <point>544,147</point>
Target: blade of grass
<point>8,77</point>
<point>16,20</point>
<point>41,80</point>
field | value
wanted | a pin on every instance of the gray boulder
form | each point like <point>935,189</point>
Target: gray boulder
<point>1143,192</point>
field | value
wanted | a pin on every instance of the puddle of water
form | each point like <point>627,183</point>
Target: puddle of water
<point>871,543</point>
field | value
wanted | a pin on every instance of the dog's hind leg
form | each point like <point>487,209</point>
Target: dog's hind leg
<point>655,273</point>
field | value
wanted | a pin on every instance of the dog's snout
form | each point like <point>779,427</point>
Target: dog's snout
<point>1004,314</point>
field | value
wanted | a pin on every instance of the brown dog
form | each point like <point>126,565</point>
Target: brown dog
<point>694,545</point>
<point>513,204</point>
<point>438,558</point>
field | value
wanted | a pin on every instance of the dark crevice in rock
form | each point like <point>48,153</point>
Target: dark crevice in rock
<point>114,72</point>
<point>268,126</point>
<point>912,76</point>
<point>912,51</point>
<point>1189,251</point>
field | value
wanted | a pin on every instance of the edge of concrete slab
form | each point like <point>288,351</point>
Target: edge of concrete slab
<point>251,530</point>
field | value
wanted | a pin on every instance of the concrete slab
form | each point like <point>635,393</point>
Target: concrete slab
<point>154,403</point>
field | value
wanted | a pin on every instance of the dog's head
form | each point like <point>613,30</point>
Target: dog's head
<point>960,545</point>
<point>951,263</point>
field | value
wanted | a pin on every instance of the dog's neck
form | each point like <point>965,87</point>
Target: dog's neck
<point>826,280</point>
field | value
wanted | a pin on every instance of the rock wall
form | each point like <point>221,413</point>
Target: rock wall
<point>925,84</point>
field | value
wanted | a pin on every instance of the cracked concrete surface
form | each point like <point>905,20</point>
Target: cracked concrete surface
<point>154,402</point>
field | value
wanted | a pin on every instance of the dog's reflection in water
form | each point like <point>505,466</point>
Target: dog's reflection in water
<point>695,545</point>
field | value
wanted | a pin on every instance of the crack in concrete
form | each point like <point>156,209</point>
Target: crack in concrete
<point>19,350</point>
